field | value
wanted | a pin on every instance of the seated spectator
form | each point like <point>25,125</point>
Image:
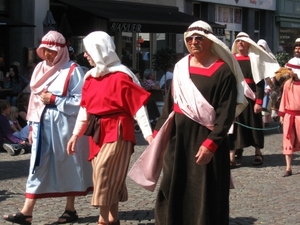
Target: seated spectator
<point>22,104</point>
<point>152,108</point>
<point>13,119</point>
<point>12,80</point>
<point>150,80</point>
<point>12,144</point>
<point>166,79</point>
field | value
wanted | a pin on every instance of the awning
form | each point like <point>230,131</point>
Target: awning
<point>139,18</point>
<point>4,21</point>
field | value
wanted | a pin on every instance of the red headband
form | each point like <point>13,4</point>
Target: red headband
<point>53,43</point>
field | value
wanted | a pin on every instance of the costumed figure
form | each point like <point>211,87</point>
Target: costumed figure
<point>257,65</point>
<point>56,85</point>
<point>111,98</point>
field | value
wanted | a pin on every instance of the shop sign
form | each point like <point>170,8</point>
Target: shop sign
<point>126,27</point>
<point>290,24</point>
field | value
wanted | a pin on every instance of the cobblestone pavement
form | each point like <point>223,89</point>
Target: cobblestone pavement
<point>261,194</point>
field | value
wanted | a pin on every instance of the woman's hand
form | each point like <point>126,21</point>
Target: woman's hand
<point>71,144</point>
<point>149,139</point>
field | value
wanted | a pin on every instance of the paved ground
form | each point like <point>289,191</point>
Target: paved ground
<point>261,194</point>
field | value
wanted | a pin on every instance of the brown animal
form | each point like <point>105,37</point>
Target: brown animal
<point>281,76</point>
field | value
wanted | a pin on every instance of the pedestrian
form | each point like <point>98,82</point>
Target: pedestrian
<point>289,112</point>
<point>256,65</point>
<point>111,98</point>
<point>196,176</point>
<point>56,85</point>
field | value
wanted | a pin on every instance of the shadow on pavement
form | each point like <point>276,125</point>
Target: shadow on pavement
<point>13,169</point>
<point>242,220</point>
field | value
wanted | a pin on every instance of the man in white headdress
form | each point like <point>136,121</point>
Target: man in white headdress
<point>268,86</point>
<point>256,65</point>
<point>205,95</point>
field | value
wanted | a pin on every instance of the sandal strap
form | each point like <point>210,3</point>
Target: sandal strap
<point>68,216</point>
<point>18,218</point>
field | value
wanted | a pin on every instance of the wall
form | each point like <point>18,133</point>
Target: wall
<point>20,38</point>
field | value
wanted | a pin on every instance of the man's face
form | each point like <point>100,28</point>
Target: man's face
<point>242,46</point>
<point>297,52</point>
<point>198,44</point>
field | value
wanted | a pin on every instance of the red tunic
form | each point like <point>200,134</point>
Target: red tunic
<point>116,99</point>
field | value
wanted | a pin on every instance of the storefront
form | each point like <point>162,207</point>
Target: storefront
<point>253,17</point>
<point>138,29</point>
<point>287,27</point>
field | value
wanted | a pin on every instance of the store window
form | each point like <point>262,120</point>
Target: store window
<point>232,17</point>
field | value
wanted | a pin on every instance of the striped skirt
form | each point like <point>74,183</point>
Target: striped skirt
<point>110,168</point>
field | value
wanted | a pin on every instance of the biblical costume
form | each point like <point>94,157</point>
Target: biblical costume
<point>257,66</point>
<point>290,110</point>
<point>53,173</point>
<point>190,193</point>
<point>111,98</point>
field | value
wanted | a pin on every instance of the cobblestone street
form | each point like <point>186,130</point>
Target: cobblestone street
<point>261,194</point>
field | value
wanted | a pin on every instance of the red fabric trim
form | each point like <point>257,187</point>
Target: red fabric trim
<point>66,86</point>
<point>52,99</point>
<point>281,113</point>
<point>212,146</point>
<point>259,101</point>
<point>30,128</point>
<point>249,80</point>
<point>177,109</point>
<point>154,133</point>
<point>293,66</point>
<point>53,43</point>
<point>207,71</point>
<point>242,57</point>
<point>60,194</point>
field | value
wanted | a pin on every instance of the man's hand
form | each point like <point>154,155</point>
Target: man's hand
<point>204,155</point>
<point>257,108</point>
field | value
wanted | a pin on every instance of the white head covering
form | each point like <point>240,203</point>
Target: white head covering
<point>222,51</point>
<point>100,46</point>
<point>294,64</point>
<point>264,44</point>
<point>297,40</point>
<point>262,64</point>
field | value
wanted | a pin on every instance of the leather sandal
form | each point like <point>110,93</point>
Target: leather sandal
<point>287,173</point>
<point>258,161</point>
<point>68,216</point>
<point>115,223</point>
<point>19,218</point>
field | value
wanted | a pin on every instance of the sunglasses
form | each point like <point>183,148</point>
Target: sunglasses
<point>191,38</point>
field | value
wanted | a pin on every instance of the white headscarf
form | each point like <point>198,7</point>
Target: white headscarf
<point>223,52</point>
<point>100,46</point>
<point>264,44</point>
<point>262,64</point>
<point>294,65</point>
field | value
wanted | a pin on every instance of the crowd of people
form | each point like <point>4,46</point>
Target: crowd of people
<point>83,123</point>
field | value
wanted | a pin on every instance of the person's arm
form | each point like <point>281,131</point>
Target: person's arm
<point>143,121</point>
<point>78,131</point>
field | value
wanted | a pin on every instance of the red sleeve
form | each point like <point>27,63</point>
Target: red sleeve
<point>210,145</point>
